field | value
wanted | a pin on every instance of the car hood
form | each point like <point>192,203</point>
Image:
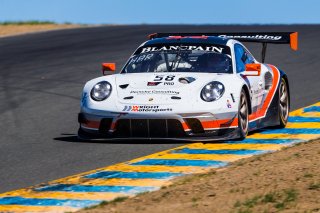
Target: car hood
<point>161,88</point>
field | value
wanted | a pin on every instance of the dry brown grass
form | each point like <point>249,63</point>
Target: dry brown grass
<point>17,29</point>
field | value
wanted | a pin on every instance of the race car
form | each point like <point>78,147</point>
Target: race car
<point>189,86</point>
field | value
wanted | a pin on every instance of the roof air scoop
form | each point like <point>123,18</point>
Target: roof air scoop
<point>186,80</point>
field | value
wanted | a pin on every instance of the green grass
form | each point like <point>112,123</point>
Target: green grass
<point>237,204</point>
<point>314,186</point>
<point>31,22</point>
<point>279,199</point>
<point>142,193</point>
<point>280,205</point>
<point>165,194</point>
<point>239,163</point>
<point>191,178</point>
<point>207,174</point>
<point>291,195</point>
<point>269,198</point>
<point>194,201</point>
<point>298,155</point>
<point>119,199</point>
<point>103,203</point>
<point>308,175</point>
<point>251,202</point>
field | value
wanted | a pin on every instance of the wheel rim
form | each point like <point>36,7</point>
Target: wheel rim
<point>243,112</point>
<point>283,103</point>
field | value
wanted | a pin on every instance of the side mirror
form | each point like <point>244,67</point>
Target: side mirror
<point>107,67</point>
<point>252,70</point>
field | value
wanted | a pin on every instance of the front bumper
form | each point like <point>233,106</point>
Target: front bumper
<point>195,126</point>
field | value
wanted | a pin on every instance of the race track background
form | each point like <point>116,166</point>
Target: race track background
<point>42,75</point>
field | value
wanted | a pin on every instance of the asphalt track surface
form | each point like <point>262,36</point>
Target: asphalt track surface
<point>41,79</point>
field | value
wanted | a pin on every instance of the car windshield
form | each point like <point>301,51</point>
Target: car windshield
<point>206,59</point>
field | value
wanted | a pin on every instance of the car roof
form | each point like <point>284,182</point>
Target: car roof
<point>186,40</point>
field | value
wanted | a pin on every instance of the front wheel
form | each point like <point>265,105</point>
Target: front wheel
<point>283,104</point>
<point>243,116</point>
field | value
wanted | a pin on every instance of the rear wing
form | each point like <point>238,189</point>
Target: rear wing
<point>257,37</point>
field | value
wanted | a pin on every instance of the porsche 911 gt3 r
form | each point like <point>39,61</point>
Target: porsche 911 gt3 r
<point>203,86</point>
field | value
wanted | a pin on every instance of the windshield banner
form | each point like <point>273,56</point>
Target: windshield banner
<point>185,47</point>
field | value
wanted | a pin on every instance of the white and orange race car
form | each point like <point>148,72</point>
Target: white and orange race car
<point>185,86</point>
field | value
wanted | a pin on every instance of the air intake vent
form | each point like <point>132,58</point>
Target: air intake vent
<point>149,128</point>
<point>195,125</point>
<point>105,125</point>
<point>186,80</point>
<point>123,86</point>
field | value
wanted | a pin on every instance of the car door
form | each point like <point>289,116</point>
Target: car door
<point>243,57</point>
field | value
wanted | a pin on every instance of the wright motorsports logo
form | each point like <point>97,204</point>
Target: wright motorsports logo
<point>144,108</point>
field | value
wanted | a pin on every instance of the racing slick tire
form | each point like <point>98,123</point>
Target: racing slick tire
<point>283,102</point>
<point>243,116</point>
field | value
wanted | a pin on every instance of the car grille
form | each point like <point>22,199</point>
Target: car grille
<point>152,128</point>
<point>195,125</point>
<point>105,125</point>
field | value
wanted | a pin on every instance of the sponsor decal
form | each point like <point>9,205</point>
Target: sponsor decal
<point>141,58</point>
<point>84,99</point>
<point>229,103</point>
<point>154,92</point>
<point>267,37</point>
<point>177,47</point>
<point>151,83</point>
<point>168,83</point>
<point>256,91</point>
<point>144,108</point>
<point>183,47</point>
<point>166,79</point>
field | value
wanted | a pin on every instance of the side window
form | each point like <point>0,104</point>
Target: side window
<point>250,59</point>
<point>242,58</point>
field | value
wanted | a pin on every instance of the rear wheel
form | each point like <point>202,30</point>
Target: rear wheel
<point>283,104</point>
<point>243,116</point>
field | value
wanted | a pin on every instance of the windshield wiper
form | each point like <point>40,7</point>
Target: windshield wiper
<point>165,55</point>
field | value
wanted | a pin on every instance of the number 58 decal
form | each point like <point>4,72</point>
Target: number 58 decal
<point>164,78</point>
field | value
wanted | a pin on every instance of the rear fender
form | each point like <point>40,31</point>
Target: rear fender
<point>272,116</point>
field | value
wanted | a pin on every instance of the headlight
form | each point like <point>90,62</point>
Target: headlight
<point>101,91</point>
<point>212,91</point>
